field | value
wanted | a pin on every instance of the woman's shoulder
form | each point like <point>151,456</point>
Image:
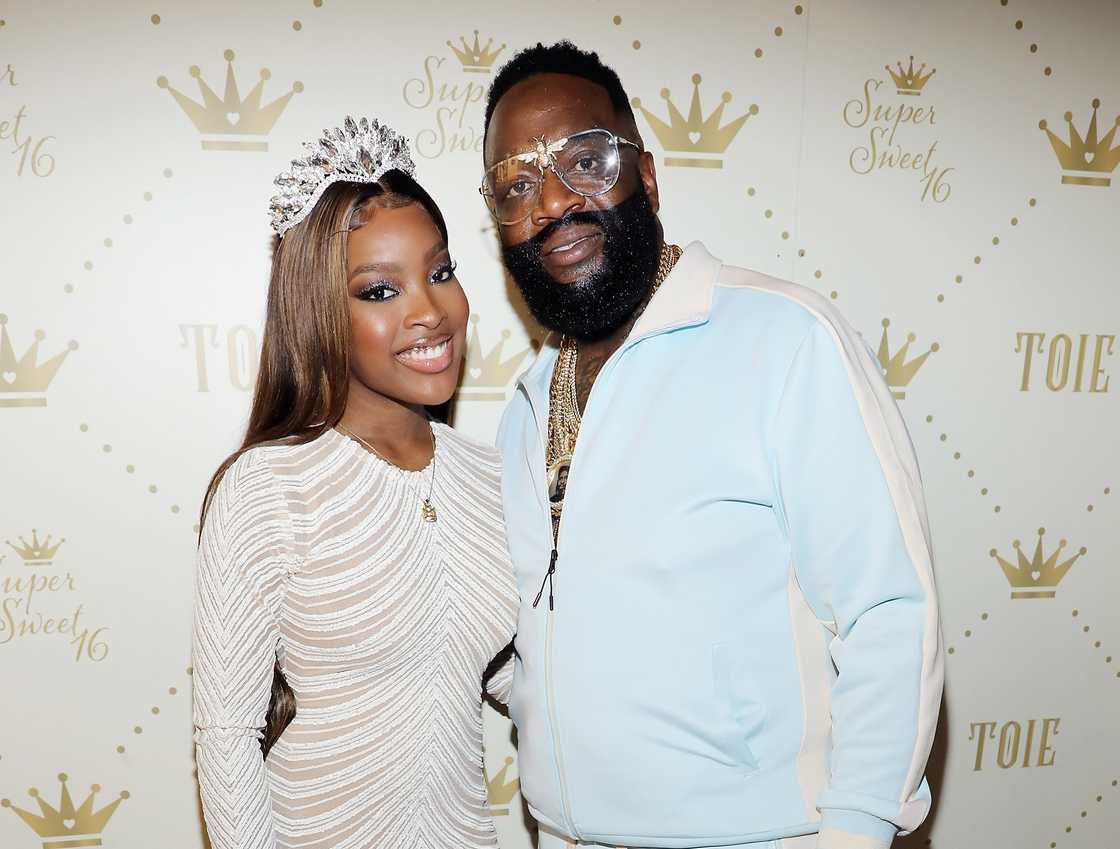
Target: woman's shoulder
<point>263,472</point>
<point>477,458</point>
<point>247,486</point>
<point>289,457</point>
<point>468,448</point>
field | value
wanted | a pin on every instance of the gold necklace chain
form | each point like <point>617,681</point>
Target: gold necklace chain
<point>564,417</point>
<point>427,511</point>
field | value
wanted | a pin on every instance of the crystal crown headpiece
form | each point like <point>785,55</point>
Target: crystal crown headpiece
<point>357,152</point>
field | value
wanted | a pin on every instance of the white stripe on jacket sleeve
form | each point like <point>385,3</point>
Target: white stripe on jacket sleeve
<point>850,495</point>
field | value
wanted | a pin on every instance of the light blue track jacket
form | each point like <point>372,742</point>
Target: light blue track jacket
<point>740,639</point>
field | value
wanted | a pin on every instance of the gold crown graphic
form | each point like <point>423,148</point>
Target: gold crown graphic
<point>897,370</point>
<point>66,826</point>
<point>908,81</point>
<point>501,792</point>
<point>1096,156</point>
<point>695,134</point>
<point>1037,577</point>
<point>476,59</point>
<point>24,381</point>
<point>36,553</point>
<point>231,115</point>
<point>486,376</point>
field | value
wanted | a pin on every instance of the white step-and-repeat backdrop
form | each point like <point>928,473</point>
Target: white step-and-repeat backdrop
<point>942,170</point>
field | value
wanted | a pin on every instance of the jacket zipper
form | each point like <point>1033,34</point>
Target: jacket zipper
<point>548,579</point>
<point>550,691</point>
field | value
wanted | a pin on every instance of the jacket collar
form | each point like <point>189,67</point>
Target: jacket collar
<point>683,299</point>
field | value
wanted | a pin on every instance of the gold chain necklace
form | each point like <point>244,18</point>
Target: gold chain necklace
<point>563,403</point>
<point>427,511</point>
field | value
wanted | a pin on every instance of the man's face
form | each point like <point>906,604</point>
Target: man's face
<point>582,263</point>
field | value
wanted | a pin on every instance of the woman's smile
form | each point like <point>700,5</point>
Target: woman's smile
<point>430,355</point>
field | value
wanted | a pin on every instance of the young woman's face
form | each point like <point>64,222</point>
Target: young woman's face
<point>408,314</point>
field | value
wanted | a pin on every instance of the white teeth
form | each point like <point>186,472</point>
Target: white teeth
<point>428,353</point>
<point>568,246</point>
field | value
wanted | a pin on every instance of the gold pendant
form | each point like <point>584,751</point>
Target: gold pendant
<point>427,511</point>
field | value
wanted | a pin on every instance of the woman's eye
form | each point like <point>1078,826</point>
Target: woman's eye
<point>444,273</point>
<point>378,292</point>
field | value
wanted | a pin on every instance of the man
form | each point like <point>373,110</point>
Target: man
<point>728,633</point>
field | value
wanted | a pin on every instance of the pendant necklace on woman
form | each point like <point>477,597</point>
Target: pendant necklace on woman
<point>427,510</point>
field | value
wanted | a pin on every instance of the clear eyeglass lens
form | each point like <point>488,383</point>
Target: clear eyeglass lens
<point>588,164</point>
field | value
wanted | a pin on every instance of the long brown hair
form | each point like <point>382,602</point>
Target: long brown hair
<point>304,371</point>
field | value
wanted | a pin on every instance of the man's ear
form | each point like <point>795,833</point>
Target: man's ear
<point>647,170</point>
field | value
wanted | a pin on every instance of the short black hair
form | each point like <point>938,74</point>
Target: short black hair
<point>563,57</point>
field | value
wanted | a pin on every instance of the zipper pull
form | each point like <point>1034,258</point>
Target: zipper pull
<point>547,579</point>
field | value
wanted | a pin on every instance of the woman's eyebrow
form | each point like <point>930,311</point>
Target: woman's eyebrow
<point>435,250</point>
<point>390,267</point>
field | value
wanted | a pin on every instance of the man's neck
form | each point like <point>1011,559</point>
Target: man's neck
<point>592,355</point>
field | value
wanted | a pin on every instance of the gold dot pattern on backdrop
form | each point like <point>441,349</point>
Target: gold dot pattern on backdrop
<point>617,21</point>
<point>785,235</point>
<point>943,438</point>
<point>297,25</point>
<point>968,632</point>
<point>778,32</point>
<point>153,489</point>
<point>1090,507</point>
<point>155,710</point>
<point>107,242</point>
<point>977,259</point>
<point>155,19</point>
<point>1084,812</point>
<point>1095,645</point>
<point>1020,26</point>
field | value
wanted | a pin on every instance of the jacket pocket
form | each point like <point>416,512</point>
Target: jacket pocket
<point>738,705</point>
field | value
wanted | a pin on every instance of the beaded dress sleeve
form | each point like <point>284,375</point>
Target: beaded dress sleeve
<point>244,557</point>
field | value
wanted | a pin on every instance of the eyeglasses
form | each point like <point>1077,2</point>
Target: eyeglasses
<point>587,162</point>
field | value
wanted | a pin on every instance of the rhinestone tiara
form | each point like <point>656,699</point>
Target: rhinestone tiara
<point>357,152</point>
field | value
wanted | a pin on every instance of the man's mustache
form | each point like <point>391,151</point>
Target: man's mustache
<point>597,218</point>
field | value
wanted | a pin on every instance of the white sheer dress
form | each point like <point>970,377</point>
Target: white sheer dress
<point>383,625</point>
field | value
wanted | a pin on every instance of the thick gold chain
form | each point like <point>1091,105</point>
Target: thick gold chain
<point>563,404</point>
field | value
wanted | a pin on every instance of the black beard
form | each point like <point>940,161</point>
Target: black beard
<point>594,307</point>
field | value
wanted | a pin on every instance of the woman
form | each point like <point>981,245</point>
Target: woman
<point>353,581</point>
